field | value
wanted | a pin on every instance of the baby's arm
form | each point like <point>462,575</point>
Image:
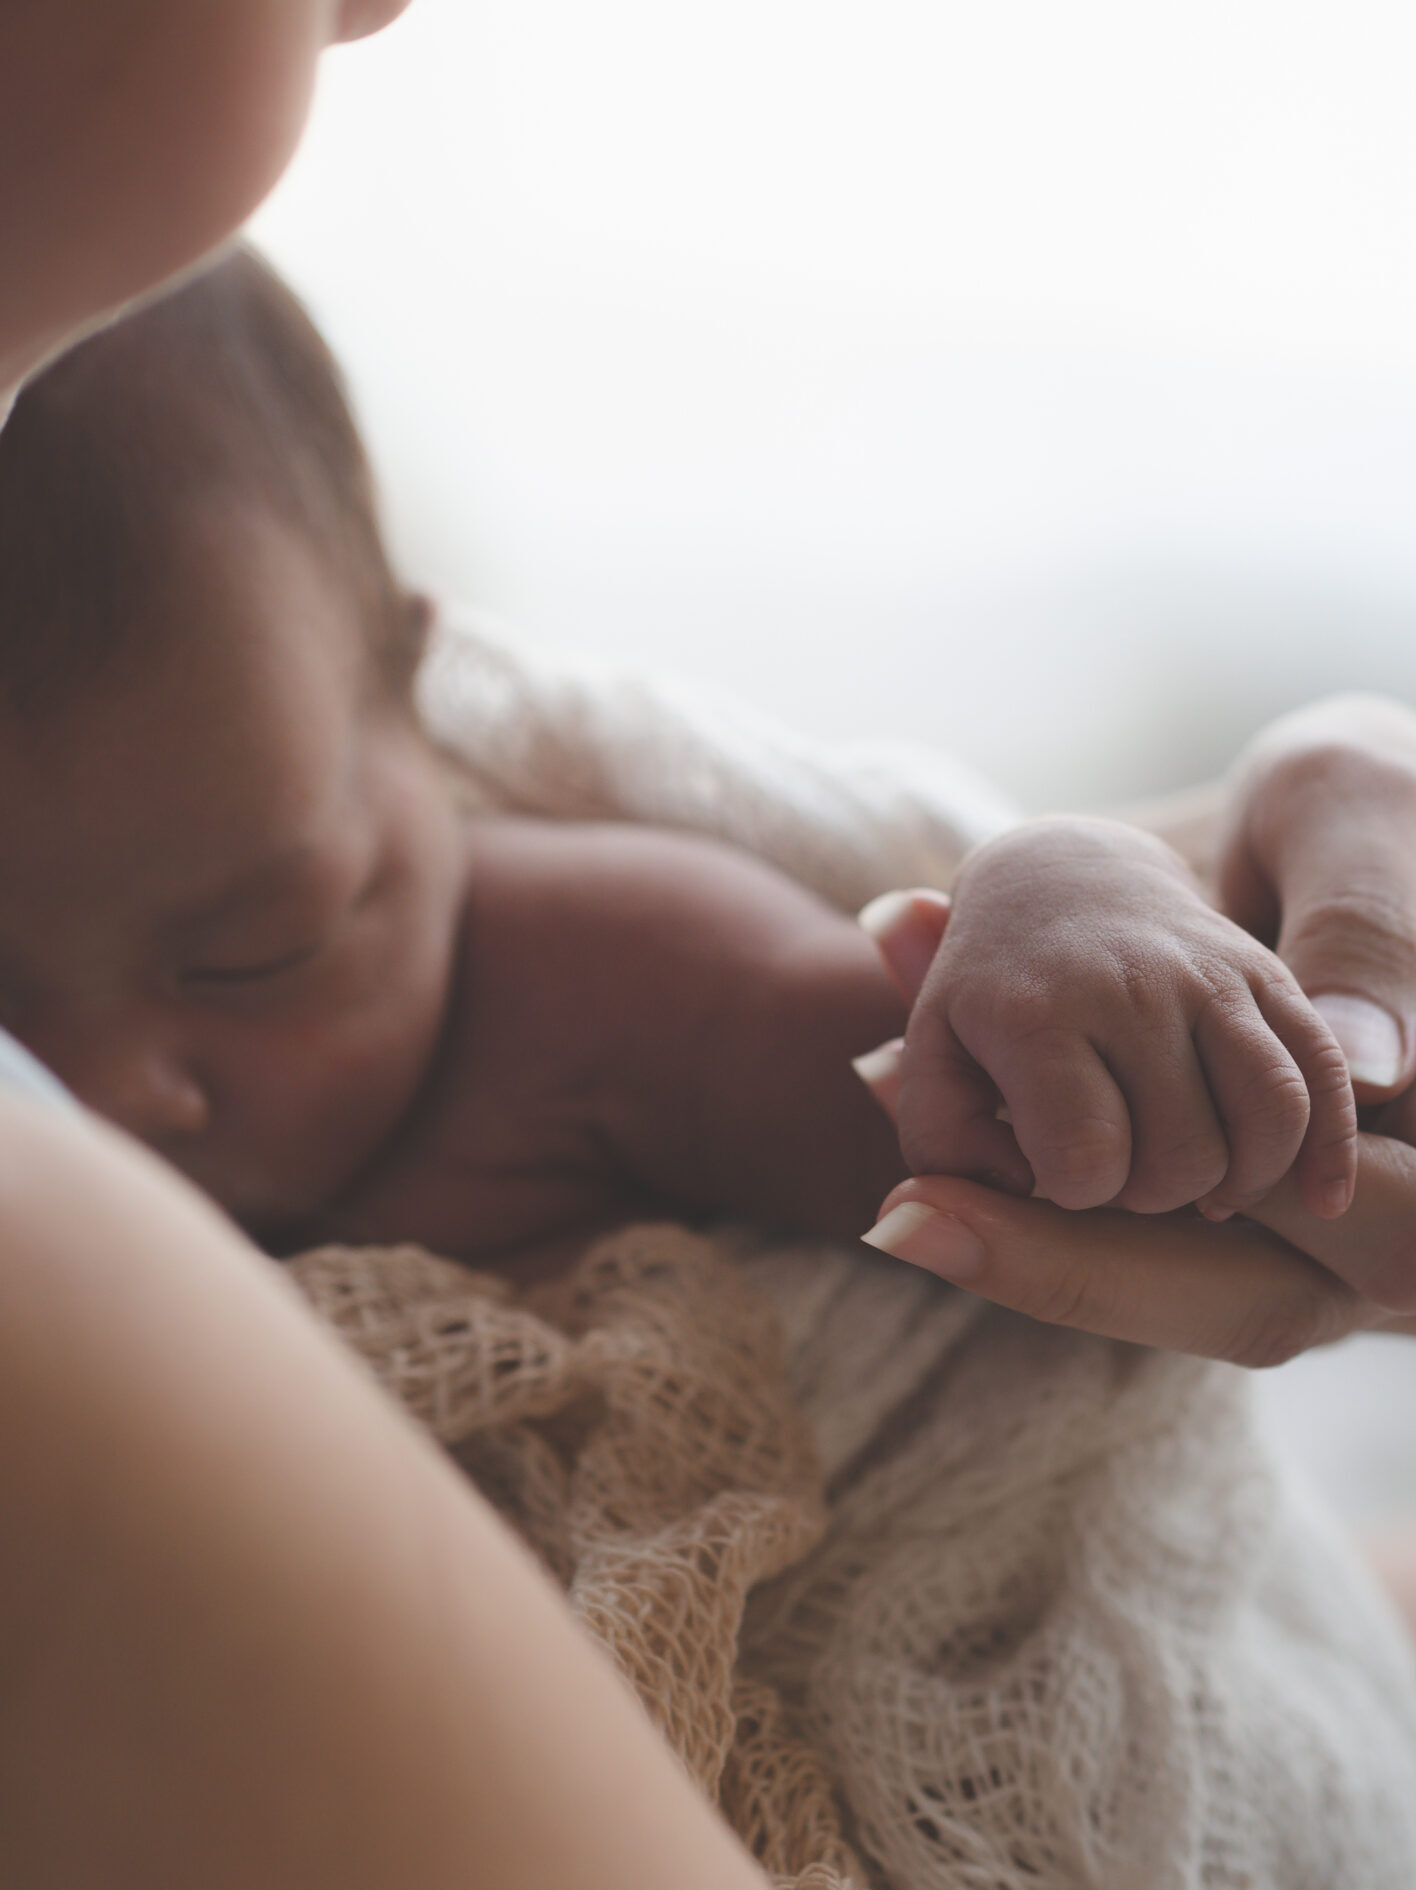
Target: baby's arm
<point>1146,1050</point>
<point>673,1019</point>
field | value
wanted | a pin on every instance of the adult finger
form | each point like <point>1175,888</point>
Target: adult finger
<point>1372,1249</point>
<point>1235,1291</point>
<point>879,1070</point>
<point>906,928</point>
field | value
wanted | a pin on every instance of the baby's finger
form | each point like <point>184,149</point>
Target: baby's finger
<point>1261,1097</point>
<point>1069,1117</point>
<point>1326,1171</point>
<point>947,1112</point>
<point>1179,1150</point>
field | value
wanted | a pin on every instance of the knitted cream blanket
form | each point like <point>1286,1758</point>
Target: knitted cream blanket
<point>924,1594</point>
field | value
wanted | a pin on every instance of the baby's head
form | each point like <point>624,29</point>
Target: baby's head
<point>229,875</point>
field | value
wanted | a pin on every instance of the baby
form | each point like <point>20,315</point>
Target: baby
<point>245,915</point>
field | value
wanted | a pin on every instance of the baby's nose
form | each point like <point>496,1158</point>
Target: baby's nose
<point>145,1088</point>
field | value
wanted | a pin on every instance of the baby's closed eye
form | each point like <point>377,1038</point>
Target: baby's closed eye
<point>270,939</point>
<point>273,966</point>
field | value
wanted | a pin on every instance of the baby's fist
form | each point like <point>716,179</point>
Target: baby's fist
<point>1092,1030</point>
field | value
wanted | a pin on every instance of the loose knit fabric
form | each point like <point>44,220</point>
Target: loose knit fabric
<point>924,1596</point>
<point>579,742</point>
<point>930,1596</point>
<point>631,1421</point>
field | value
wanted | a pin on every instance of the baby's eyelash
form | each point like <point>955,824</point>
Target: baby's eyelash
<point>220,976</point>
<point>251,974</point>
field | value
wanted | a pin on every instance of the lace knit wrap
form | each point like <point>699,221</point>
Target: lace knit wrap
<point>925,1595</point>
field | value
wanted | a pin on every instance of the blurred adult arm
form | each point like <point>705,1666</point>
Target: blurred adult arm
<point>254,1627</point>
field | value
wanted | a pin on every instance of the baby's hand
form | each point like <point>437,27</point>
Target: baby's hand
<point>1145,1050</point>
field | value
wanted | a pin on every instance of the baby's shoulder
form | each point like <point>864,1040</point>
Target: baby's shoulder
<point>615,945</point>
<point>623,887</point>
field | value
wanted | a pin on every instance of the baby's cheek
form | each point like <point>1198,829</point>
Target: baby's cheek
<point>286,1082</point>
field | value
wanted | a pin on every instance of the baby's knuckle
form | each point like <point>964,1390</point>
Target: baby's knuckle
<point>1088,1142</point>
<point>1327,1071</point>
<point>1147,982</point>
<point>1028,1014</point>
<point>1273,1104</point>
<point>1264,977</point>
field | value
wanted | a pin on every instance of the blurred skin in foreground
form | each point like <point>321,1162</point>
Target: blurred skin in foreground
<point>135,135</point>
<point>305,1707</point>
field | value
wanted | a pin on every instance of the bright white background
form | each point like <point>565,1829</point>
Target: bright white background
<point>1038,379</point>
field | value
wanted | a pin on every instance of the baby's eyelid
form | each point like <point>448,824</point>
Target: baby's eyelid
<point>251,974</point>
<point>216,974</point>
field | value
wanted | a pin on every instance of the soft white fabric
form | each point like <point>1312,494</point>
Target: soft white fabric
<point>1069,1624</point>
<point>576,741</point>
<point>22,1072</point>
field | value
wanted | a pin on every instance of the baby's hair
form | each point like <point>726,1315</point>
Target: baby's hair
<point>222,390</point>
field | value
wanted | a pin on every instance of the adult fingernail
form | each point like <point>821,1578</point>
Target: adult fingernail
<point>879,1069</point>
<point>1368,1036</point>
<point>883,914</point>
<point>929,1238</point>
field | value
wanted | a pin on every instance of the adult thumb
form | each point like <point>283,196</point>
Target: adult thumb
<point>1321,862</point>
<point>1355,957</point>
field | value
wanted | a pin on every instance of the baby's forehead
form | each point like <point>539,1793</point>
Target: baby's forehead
<point>206,777</point>
<point>220,584</point>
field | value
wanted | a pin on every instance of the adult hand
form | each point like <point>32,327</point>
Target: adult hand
<point>1253,1294</point>
<point>1256,1292</point>
<point>1315,857</point>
